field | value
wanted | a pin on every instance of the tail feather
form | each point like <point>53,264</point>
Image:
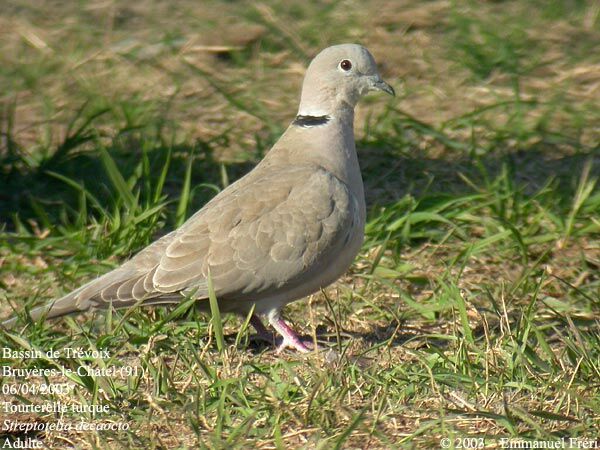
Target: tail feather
<point>61,307</point>
<point>80,299</point>
<point>100,293</point>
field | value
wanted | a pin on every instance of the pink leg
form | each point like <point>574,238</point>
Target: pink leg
<point>261,330</point>
<point>290,338</point>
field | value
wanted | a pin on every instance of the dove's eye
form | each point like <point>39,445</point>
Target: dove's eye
<point>345,65</point>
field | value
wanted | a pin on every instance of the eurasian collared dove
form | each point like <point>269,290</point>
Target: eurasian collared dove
<point>290,227</point>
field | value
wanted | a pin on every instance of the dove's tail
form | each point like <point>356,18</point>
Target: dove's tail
<point>61,307</point>
<point>94,295</point>
<point>81,299</point>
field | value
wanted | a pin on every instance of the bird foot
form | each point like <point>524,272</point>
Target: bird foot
<point>301,345</point>
<point>289,338</point>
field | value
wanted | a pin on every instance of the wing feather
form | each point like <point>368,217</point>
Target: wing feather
<point>260,235</point>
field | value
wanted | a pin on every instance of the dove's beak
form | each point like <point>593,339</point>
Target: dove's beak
<point>377,84</point>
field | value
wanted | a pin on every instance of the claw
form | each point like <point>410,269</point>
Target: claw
<point>297,344</point>
<point>290,338</point>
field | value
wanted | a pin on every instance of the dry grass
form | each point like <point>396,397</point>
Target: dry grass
<point>473,308</point>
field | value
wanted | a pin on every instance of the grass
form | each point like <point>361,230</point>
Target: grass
<point>472,310</point>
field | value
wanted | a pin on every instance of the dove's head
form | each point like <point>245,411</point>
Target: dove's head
<point>337,78</point>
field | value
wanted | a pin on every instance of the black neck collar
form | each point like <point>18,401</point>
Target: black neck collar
<point>310,121</point>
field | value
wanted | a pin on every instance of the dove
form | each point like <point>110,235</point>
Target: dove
<point>290,227</point>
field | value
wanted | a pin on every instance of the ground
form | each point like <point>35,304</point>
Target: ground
<point>472,309</point>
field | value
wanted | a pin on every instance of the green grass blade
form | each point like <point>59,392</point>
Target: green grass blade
<point>217,323</point>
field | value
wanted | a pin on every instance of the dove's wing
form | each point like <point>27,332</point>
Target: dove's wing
<point>266,235</point>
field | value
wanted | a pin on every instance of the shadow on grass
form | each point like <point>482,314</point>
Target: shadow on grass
<point>389,176</point>
<point>39,194</point>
